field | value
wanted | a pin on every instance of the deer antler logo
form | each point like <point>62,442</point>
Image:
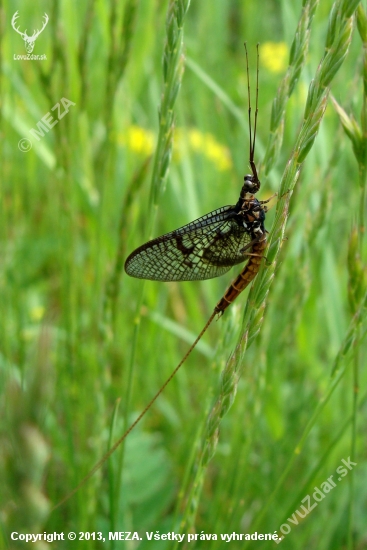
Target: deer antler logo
<point>29,40</point>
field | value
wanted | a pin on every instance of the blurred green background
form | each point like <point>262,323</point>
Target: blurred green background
<point>83,347</point>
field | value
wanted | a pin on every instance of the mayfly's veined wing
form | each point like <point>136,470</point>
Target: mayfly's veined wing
<point>202,249</point>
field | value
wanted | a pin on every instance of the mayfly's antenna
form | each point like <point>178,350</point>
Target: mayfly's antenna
<point>253,135</point>
<point>257,99</point>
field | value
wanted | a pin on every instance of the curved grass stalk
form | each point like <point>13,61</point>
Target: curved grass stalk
<point>173,67</point>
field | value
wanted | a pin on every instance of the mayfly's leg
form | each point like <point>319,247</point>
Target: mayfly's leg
<point>251,245</point>
<point>273,197</point>
<point>285,193</point>
<point>269,199</point>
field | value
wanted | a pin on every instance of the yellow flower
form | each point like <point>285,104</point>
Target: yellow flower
<point>273,56</point>
<point>217,153</point>
<point>138,139</point>
<point>37,313</point>
<point>142,141</point>
<point>207,145</point>
<point>196,139</point>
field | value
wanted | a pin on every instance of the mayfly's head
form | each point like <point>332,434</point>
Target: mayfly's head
<point>251,185</point>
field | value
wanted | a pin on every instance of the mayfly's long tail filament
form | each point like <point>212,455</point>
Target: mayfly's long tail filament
<point>124,436</point>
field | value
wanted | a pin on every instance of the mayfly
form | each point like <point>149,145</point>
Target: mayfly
<point>211,245</point>
<point>204,249</point>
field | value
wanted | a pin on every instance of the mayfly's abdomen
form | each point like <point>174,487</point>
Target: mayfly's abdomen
<point>244,278</point>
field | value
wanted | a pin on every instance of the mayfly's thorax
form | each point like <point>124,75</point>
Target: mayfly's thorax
<point>251,216</point>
